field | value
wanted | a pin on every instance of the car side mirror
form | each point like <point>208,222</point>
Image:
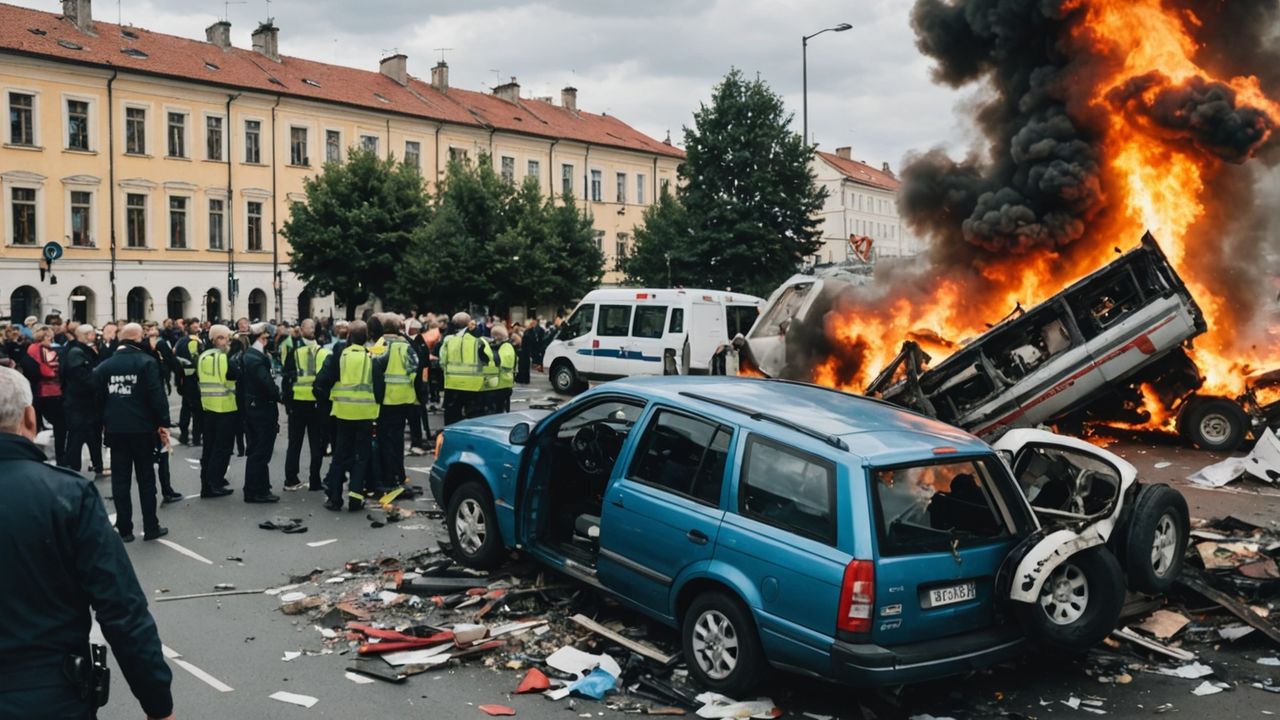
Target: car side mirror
<point>520,434</point>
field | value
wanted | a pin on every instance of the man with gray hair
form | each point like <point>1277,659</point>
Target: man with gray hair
<point>61,553</point>
<point>463,359</point>
<point>84,426</point>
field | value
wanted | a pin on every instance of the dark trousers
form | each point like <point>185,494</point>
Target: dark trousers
<point>262,426</point>
<point>54,702</point>
<point>457,403</point>
<point>305,418</point>
<point>215,455</point>
<point>81,431</point>
<point>51,409</point>
<point>131,454</point>
<point>192,414</point>
<point>416,411</point>
<point>391,422</point>
<point>352,446</point>
<point>241,432</point>
<point>499,401</point>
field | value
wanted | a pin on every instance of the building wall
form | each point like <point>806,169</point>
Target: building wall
<point>854,208</point>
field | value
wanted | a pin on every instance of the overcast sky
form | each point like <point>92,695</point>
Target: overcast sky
<point>649,63</point>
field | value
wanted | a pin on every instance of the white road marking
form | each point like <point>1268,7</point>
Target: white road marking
<point>196,495</point>
<point>321,543</point>
<point>199,674</point>
<point>189,553</point>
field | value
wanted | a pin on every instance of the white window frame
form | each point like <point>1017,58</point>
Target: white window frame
<point>147,123</point>
<point>594,174</point>
<point>405,158</point>
<point>220,195</point>
<point>7,187</point>
<point>640,182</point>
<point>265,202</point>
<point>306,152</point>
<point>572,184</point>
<point>148,212</point>
<point>79,184</point>
<point>204,135</point>
<point>502,161</point>
<point>528,170</point>
<point>620,180</point>
<point>186,132</point>
<point>168,217</point>
<point>244,139</point>
<point>91,122</point>
<point>342,147</point>
<point>35,118</point>
<point>377,142</point>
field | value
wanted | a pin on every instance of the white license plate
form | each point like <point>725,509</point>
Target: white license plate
<point>952,594</point>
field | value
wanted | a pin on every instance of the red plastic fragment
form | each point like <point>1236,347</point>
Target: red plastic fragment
<point>534,681</point>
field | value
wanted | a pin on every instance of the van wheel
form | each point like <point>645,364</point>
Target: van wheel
<point>1079,604</point>
<point>473,529</point>
<point>721,645</point>
<point>564,379</point>
<point>1157,539</point>
<point>1214,424</point>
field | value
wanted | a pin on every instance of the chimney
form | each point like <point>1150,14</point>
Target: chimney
<point>396,67</point>
<point>887,170</point>
<point>440,76</point>
<point>266,40</point>
<point>569,98</point>
<point>79,13</point>
<point>219,34</point>
<point>509,92</point>
<point>844,152</point>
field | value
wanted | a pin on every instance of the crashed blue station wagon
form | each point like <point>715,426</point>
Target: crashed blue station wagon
<point>787,525</point>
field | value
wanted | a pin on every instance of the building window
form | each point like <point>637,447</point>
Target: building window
<point>177,135</point>
<point>81,218</point>
<point>298,147</point>
<point>135,220</point>
<point>178,223</point>
<point>22,125</point>
<point>620,250</point>
<point>508,169</point>
<point>77,125</point>
<point>213,138</point>
<point>135,131</point>
<point>600,240</point>
<point>369,143</point>
<point>254,228</point>
<point>622,187</point>
<point>413,154</point>
<point>665,185</point>
<point>534,170</point>
<point>640,189</point>
<point>217,221</point>
<point>566,179</point>
<point>597,181</point>
<point>457,155</point>
<point>253,141</point>
<point>332,146</point>
<point>24,216</point>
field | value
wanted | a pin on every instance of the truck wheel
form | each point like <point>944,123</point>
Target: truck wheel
<point>564,379</point>
<point>473,529</point>
<point>1079,604</point>
<point>1157,539</point>
<point>1215,424</point>
<point>721,645</point>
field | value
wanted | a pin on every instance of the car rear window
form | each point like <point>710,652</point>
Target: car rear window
<point>683,455</point>
<point>935,507</point>
<point>790,489</point>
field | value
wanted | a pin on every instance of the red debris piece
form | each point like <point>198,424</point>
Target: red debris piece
<point>534,681</point>
<point>496,710</point>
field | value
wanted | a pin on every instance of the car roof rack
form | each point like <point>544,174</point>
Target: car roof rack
<point>832,440</point>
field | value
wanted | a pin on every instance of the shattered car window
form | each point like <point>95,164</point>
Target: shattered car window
<point>775,322</point>
<point>1066,480</point>
<point>927,508</point>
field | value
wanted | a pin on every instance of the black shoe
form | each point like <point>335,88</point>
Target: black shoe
<point>334,505</point>
<point>195,443</point>
<point>292,485</point>
<point>155,534</point>
<point>315,487</point>
<point>183,440</point>
<point>267,498</point>
<point>171,497</point>
<point>126,537</point>
<point>216,492</point>
<point>355,505</point>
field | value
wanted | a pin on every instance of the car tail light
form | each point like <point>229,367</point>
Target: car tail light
<point>857,597</point>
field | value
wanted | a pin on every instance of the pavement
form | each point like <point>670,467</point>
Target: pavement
<point>226,653</point>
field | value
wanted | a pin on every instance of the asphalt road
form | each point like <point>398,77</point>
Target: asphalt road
<point>227,652</point>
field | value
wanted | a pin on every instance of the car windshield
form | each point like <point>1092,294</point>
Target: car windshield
<point>936,507</point>
<point>579,323</point>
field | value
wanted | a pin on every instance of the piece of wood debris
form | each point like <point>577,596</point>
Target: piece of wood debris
<point>639,648</point>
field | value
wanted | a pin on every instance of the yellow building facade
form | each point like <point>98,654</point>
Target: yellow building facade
<point>166,166</point>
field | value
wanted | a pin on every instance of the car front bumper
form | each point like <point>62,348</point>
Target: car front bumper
<point>436,481</point>
<point>869,665</point>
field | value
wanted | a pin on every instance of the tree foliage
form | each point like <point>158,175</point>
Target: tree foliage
<point>745,213</point>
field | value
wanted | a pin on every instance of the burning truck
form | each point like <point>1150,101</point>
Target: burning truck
<point>1096,351</point>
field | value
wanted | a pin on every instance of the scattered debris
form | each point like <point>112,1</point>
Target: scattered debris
<point>534,681</point>
<point>715,705</point>
<point>1149,644</point>
<point>1194,671</point>
<point>632,645</point>
<point>1194,580</point>
<point>1273,662</point>
<point>322,543</point>
<point>219,593</point>
<point>357,678</point>
<point>305,701</point>
<point>496,710</point>
<point>1210,687</point>
<point>1163,624</point>
<point>1262,463</point>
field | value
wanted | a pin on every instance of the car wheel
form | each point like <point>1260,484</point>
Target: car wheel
<point>721,645</point>
<point>1079,604</point>
<point>473,529</point>
<point>564,380</point>
<point>1156,539</point>
<point>1214,424</point>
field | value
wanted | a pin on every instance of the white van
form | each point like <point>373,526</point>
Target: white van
<point>617,333</point>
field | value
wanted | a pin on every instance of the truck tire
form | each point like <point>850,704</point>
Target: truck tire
<point>1156,539</point>
<point>721,645</point>
<point>1078,606</point>
<point>473,528</point>
<point>1214,423</point>
<point>564,379</point>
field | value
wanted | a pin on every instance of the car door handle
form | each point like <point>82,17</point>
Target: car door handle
<point>697,537</point>
<point>617,502</point>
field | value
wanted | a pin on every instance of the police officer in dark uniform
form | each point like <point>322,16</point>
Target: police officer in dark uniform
<point>259,399</point>
<point>192,415</point>
<point>131,400</point>
<point>61,559</point>
<point>79,358</point>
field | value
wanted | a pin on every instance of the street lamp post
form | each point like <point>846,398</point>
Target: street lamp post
<point>804,71</point>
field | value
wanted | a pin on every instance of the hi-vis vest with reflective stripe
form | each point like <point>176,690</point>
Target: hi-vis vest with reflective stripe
<point>217,393</point>
<point>193,346</point>
<point>506,366</point>
<point>398,375</point>
<point>463,362</point>
<point>309,358</point>
<point>352,396</point>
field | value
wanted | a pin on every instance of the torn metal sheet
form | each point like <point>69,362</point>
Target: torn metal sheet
<point>1264,461</point>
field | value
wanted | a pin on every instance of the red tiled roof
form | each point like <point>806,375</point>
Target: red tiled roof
<point>48,35</point>
<point>861,172</point>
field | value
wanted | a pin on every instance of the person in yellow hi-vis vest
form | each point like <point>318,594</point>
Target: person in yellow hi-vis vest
<point>307,416</point>
<point>394,372</point>
<point>221,421</point>
<point>503,377</point>
<point>463,359</point>
<point>346,381</point>
<point>192,414</point>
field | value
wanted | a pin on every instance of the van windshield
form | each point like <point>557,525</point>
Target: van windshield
<point>936,507</point>
<point>578,324</point>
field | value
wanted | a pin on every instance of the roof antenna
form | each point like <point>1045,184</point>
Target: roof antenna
<point>226,8</point>
<point>442,51</point>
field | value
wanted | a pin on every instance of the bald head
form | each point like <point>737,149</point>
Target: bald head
<point>131,332</point>
<point>84,333</point>
<point>308,327</point>
<point>461,320</point>
<point>392,324</point>
<point>358,332</point>
<point>498,332</point>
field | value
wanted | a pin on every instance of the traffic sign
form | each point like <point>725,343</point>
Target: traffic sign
<point>52,251</point>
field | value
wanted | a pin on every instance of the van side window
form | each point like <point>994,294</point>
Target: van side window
<point>649,320</point>
<point>739,319</point>
<point>683,455</point>
<point>789,489</point>
<point>615,320</point>
<point>677,321</point>
<point>578,324</point>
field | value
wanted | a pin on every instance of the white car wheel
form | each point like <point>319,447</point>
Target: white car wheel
<point>1065,595</point>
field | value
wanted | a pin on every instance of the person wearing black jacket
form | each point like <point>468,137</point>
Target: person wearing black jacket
<point>308,416</point>
<point>131,401</point>
<point>192,416</point>
<point>260,397</point>
<point>62,559</point>
<point>84,426</point>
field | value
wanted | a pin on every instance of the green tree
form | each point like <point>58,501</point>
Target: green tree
<point>745,213</point>
<point>575,264</point>
<point>351,234</point>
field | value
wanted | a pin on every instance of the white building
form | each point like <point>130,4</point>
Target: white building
<point>862,202</point>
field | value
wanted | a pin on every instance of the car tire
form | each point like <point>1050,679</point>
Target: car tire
<point>1079,604</point>
<point>564,379</point>
<point>473,528</point>
<point>1214,424</point>
<point>1156,539</point>
<point>721,645</point>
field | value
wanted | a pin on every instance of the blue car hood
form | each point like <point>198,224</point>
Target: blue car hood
<point>498,427</point>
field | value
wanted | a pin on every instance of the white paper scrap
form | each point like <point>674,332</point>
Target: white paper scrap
<point>291,655</point>
<point>305,701</point>
<point>358,679</point>
<point>322,543</point>
<point>1189,672</point>
<point>1274,662</point>
<point>1210,687</point>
